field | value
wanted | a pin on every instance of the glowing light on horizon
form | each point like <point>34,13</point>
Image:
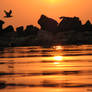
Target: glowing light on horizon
<point>53,2</point>
<point>58,58</point>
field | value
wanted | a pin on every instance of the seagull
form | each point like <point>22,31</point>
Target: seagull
<point>8,14</point>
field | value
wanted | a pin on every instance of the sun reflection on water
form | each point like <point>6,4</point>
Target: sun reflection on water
<point>56,63</point>
<point>58,47</point>
<point>58,58</point>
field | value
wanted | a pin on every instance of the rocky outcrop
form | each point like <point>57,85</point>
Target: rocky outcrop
<point>20,31</point>
<point>69,31</point>
<point>31,30</point>
<point>1,25</point>
<point>87,26</point>
<point>69,23</point>
<point>48,24</point>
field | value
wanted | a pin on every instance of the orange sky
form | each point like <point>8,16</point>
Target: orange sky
<point>26,12</point>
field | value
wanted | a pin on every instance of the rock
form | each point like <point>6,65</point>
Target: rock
<point>31,30</point>
<point>9,29</point>
<point>1,24</point>
<point>20,31</point>
<point>2,85</point>
<point>48,24</point>
<point>69,23</point>
<point>87,26</point>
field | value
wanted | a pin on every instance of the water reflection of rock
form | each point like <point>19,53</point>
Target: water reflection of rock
<point>2,85</point>
<point>69,31</point>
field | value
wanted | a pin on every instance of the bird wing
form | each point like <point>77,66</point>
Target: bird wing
<point>10,12</point>
<point>6,12</point>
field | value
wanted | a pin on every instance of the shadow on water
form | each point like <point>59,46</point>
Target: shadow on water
<point>25,56</point>
<point>49,73</point>
<point>2,84</point>
<point>46,83</point>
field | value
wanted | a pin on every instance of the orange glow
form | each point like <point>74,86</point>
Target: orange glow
<point>56,63</point>
<point>26,12</point>
<point>58,58</point>
<point>58,47</point>
<point>53,1</point>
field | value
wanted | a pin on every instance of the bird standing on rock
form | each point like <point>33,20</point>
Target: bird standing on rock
<point>8,14</point>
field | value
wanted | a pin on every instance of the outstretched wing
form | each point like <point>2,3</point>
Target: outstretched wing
<point>6,12</point>
<point>10,12</point>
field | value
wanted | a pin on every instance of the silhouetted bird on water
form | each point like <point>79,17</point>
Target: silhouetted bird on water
<point>8,14</point>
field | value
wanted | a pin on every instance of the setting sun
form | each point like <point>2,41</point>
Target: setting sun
<point>53,1</point>
<point>58,58</point>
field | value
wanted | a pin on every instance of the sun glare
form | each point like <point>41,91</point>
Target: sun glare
<point>56,63</point>
<point>52,1</point>
<point>58,58</point>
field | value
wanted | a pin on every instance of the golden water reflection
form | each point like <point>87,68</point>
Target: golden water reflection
<point>58,47</point>
<point>58,58</point>
<point>37,69</point>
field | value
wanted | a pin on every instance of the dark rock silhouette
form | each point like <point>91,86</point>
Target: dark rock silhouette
<point>69,23</point>
<point>1,24</point>
<point>31,30</point>
<point>8,32</point>
<point>48,24</point>
<point>88,22</point>
<point>2,85</point>
<point>10,28</point>
<point>87,26</point>
<point>8,14</point>
<point>20,31</point>
<point>69,31</point>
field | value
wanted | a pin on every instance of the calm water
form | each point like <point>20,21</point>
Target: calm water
<point>55,69</point>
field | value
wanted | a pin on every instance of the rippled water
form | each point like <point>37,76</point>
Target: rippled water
<point>38,69</point>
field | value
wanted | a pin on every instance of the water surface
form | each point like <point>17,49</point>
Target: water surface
<point>54,69</point>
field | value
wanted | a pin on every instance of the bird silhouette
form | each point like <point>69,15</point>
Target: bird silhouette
<point>8,14</point>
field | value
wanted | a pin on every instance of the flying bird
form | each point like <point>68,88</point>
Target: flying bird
<point>8,14</point>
